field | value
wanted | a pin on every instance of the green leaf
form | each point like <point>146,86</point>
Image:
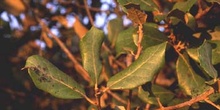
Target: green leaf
<point>90,46</point>
<point>124,43</point>
<point>146,97</point>
<point>176,16</point>
<point>214,97</point>
<point>127,39</point>
<point>140,71</point>
<point>50,79</point>
<point>114,27</point>
<point>184,6</point>
<point>159,18</point>
<point>163,94</point>
<point>152,36</point>
<point>191,83</point>
<point>123,2</point>
<point>215,51</point>
<point>190,21</point>
<point>146,5</point>
<point>203,55</point>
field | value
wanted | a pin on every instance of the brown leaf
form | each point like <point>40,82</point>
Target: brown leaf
<point>136,16</point>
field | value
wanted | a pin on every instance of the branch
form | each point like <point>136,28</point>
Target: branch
<point>116,97</point>
<point>198,98</point>
<point>201,12</point>
<point>140,37</point>
<point>88,12</point>
<point>211,103</point>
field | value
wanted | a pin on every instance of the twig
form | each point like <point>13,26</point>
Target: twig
<point>116,97</point>
<point>129,100</point>
<point>98,98</point>
<point>147,107</point>
<point>160,105</point>
<point>129,58</point>
<point>117,62</point>
<point>201,12</point>
<point>211,103</point>
<point>140,37</point>
<point>218,83</point>
<point>198,98</point>
<point>80,70</point>
<point>88,12</point>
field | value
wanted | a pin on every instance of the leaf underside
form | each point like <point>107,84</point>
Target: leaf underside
<point>50,79</point>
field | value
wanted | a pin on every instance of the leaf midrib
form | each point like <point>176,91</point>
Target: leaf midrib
<point>93,59</point>
<point>127,75</point>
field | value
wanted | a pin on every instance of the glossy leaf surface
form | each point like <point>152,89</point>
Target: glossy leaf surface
<point>90,46</point>
<point>141,71</point>
<point>50,79</point>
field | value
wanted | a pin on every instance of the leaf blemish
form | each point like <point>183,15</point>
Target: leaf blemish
<point>44,79</point>
<point>35,70</point>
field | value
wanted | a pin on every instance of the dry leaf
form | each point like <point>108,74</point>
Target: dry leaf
<point>136,16</point>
